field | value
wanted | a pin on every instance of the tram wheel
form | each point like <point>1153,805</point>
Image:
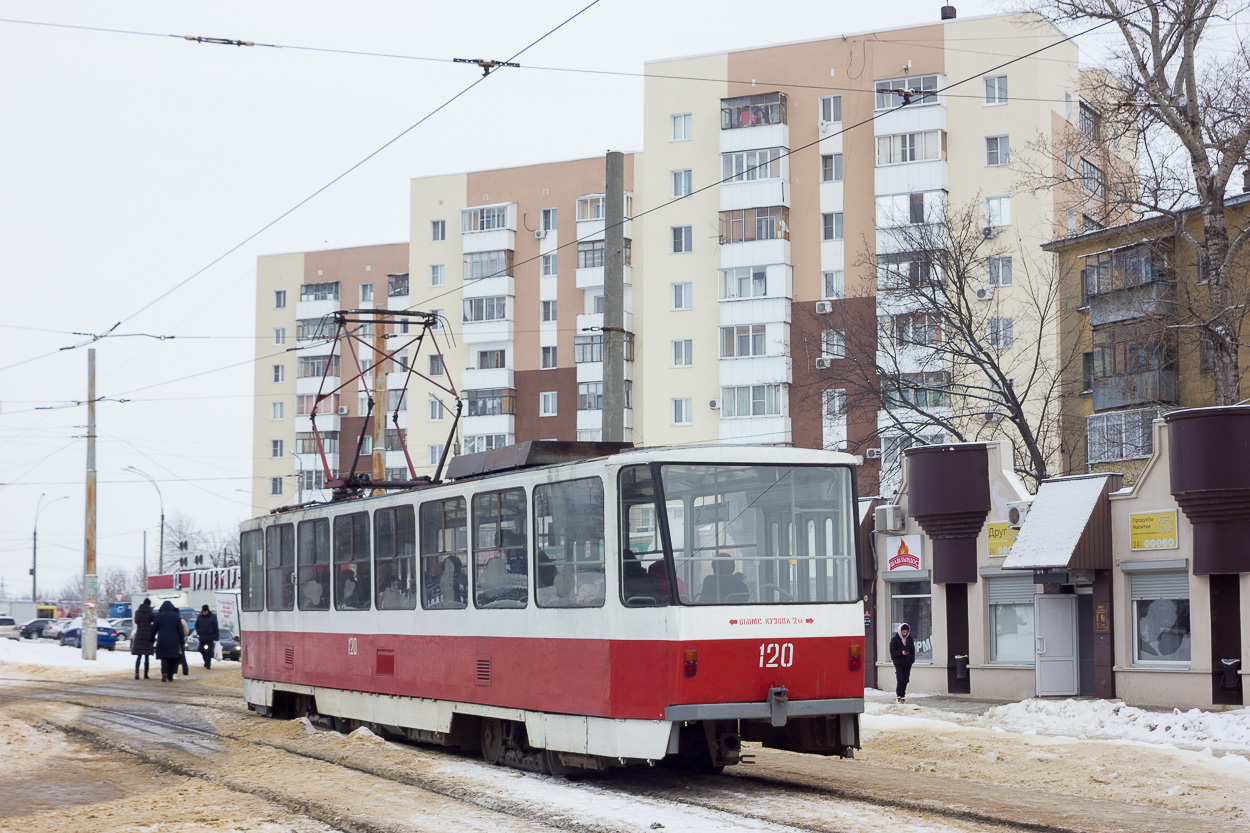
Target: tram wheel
<point>343,726</point>
<point>492,740</point>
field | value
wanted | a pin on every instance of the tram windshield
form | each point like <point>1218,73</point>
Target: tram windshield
<point>738,535</point>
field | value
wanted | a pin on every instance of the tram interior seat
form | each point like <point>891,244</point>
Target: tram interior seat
<point>724,585</point>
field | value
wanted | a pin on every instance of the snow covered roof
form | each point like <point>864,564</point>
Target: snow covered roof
<point>1055,523</point>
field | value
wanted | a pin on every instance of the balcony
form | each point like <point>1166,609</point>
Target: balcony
<point>1148,299</point>
<point>495,377</point>
<point>1135,389</point>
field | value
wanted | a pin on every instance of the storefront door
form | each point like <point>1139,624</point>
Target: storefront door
<point>1058,658</point>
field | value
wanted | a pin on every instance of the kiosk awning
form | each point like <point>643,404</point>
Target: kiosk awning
<point>1068,526</point>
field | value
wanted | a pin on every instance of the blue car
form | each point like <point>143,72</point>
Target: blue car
<point>71,635</point>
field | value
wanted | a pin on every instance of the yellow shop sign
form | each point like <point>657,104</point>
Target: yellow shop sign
<point>1153,531</point>
<point>1001,538</point>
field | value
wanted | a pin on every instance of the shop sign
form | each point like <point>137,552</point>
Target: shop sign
<point>904,553</point>
<point>1001,537</point>
<point>1153,531</point>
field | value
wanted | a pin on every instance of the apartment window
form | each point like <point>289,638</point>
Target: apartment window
<point>437,411</point>
<point>996,89</point>
<point>752,165</point>
<point>492,359</point>
<point>439,315</point>
<point>547,403</point>
<point>683,295</point>
<point>549,265</point>
<point>998,211</point>
<point>490,402</point>
<point>588,348</point>
<point>438,274</point>
<point>751,400</point>
<point>311,367</point>
<point>306,442</point>
<point>835,403</point>
<point>548,310</point>
<point>433,453</point>
<point>831,225</point>
<point>479,265</point>
<point>548,358</point>
<point>682,183</point>
<point>742,341</point>
<point>275,448</point>
<point>275,485</point>
<point>910,147</point>
<point>681,239</point>
<point>683,352</point>
<point>366,293</point>
<point>1000,336</point>
<point>397,285</point>
<point>279,299</point>
<point>1087,371</point>
<point>276,410</point>
<point>917,328</point>
<point>831,108</point>
<point>997,150</point>
<point>833,344</point>
<point>494,308</point>
<point>772,223</point>
<point>831,167</point>
<point>396,401</point>
<point>279,335</point>
<point>305,402</point>
<point>362,404</point>
<point>1120,435</point>
<point>834,284</point>
<point>1011,624</point>
<point>925,85</point>
<point>1091,178</point>
<point>590,396</point>
<point>590,255</point>
<point>438,230</point>
<point>599,302</point>
<point>1090,122</point>
<point>753,110</point>
<point>683,127</point>
<point>319,291</point>
<point>911,270</point>
<point>549,219</point>
<point>436,365</point>
<point>1000,271</point>
<point>682,412</point>
<point>1206,357</point>
<point>488,218</point>
<point>917,207</point>
<point>590,208</point>
<point>743,282</point>
<point>484,442</point>
<point>1161,631</point>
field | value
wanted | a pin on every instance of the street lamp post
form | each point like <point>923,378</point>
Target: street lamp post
<point>34,546</point>
<point>160,555</point>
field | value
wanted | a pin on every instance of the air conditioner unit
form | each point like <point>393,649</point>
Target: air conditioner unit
<point>822,364</point>
<point>889,518</point>
<point>989,232</point>
<point>824,307</point>
<point>985,293</point>
<point>344,410</point>
<point>1016,513</point>
<point>714,404</point>
<point>540,234</point>
<point>873,454</point>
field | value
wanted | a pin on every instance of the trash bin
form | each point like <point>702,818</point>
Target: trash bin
<point>961,666</point>
<point>1232,680</point>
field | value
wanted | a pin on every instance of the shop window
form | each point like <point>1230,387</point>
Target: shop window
<point>912,602</point>
<point>1011,624</point>
<point>1160,611</point>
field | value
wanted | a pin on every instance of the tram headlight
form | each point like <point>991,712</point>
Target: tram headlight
<point>692,662</point>
<point>856,659</point>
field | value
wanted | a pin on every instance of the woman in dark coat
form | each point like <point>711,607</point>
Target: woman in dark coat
<point>143,638</point>
<point>168,627</point>
<point>903,653</point>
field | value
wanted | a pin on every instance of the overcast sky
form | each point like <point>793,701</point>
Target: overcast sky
<point>132,161</point>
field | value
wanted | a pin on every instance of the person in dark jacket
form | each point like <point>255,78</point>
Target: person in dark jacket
<point>903,653</point>
<point>169,638</point>
<point>142,639</point>
<point>206,630</point>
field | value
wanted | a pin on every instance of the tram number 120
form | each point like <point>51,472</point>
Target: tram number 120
<point>351,646</point>
<point>776,655</point>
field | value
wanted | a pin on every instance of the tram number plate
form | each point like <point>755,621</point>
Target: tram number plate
<point>776,655</point>
<point>352,647</point>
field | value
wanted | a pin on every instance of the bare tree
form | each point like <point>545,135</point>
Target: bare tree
<point>217,547</point>
<point>1175,101</point>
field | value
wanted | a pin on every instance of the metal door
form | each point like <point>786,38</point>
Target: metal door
<point>1058,657</point>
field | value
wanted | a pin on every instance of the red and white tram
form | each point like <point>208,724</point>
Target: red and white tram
<point>662,603</point>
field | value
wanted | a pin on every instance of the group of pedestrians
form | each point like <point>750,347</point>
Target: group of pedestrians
<point>164,633</point>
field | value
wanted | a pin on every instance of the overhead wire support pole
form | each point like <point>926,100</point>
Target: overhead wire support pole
<point>89,572</point>
<point>613,412</point>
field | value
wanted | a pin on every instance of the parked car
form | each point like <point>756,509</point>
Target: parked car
<point>229,645</point>
<point>34,628</point>
<point>125,627</point>
<point>106,637</point>
<point>9,629</point>
<point>53,631</point>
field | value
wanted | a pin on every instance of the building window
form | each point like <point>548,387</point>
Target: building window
<point>751,400</point>
<point>549,265</point>
<point>924,85</point>
<point>279,373</point>
<point>275,448</point>
<point>1120,435</point>
<point>683,295</point>
<point>752,165</point>
<point>1000,335</point>
<point>549,219</point>
<point>312,367</point>
<point>434,453</point>
<point>1000,271</point>
<point>835,284</point>
<point>547,403</point>
<point>996,89</point>
<point>487,218</point>
<point>917,328</point>
<point>548,310</point>
<point>588,348</point>
<point>1091,178</point>
<point>437,411</point>
<point>275,485</point>
<point>683,127</point>
<point>548,358</point>
<point>998,211</point>
<point>1160,602</point>
<point>492,359</point>
<point>590,396</point>
<point>438,274</point>
<point>1206,356</point>
<point>682,183</point>
<point>319,291</point>
<point>997,150</point>
<point>831,167</point>
<point>911,602</point>
<point>1011,619</point>
<point>276,410</point>
<point>831,108</point>
<point>743,341</point>
<point>279,335</point>
<point>490,402</point>
<point>396,285</point>
<point>590,255</point>
<point>907,270</point>
<point>683,352</point>
<point>279,299</point>
<point>743,282</point>
<point>743,226</point>
<point>438,230</point>
<point>366,293</point>
<point>835,403</point>
<point>682,412</point>
<point>917,390</point>
<point>753,110</point>
<point>1087,373</point>
<point>831,226</point>
<point>1090,122</point>
<point>479,265</point>
<point>681,239</point>
<point>833,344</point>
<point>909,147</point>
<point>917,207</point>
<point>494,308</point>
<point>436,365</point>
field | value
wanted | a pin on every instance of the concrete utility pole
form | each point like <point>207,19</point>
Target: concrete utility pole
<point>89,574</point>
<point>382,394</point>
<point>614,299</point>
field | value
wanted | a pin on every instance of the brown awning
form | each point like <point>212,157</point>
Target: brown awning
<point>1068,526</point>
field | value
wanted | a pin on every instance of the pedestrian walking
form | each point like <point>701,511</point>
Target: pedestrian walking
<point>186,631</point>
<point>168,627</point>
<point>206,630</point>
<point>142,640</point>
<point>903,653</point>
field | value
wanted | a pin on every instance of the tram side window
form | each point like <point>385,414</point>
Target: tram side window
<point>395,542</point>
<point>252,561</point>
<point>500,551</point>
<point>444,549</point>
<point>313,554</point>
<point>568,543</point>
<point>644,574</point>
<point>280,566</point>
<point>351,562</point>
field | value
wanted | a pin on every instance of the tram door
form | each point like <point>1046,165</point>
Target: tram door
<point>1058,657</point>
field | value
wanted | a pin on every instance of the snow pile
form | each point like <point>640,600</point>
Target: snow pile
<point>1113,720</point>
<point>48,654</point>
